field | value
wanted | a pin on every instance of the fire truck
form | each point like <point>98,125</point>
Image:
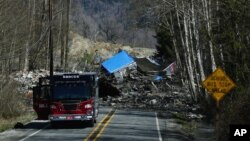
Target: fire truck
<point>67,97</point>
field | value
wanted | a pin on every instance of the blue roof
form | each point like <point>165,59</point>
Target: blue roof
<point>118,62</point>
<point>158,78</point>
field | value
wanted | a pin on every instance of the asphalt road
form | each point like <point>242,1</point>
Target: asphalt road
<point>112,125</point>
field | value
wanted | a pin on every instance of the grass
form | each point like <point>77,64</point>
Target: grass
<point>10,123</point>
<point>188,127</point>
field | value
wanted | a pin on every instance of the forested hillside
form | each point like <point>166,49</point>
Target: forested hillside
<point>115,21</point>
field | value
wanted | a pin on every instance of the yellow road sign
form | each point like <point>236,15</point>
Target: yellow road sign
<point>218,96</point>
<point>218,83</point>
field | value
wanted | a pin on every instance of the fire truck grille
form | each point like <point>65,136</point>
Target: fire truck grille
<point>70,106</point>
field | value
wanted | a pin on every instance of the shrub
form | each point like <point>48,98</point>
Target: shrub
<point>11,103</point>
<point>234,110</point>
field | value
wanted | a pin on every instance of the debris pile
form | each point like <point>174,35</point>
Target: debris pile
<point>146,86</point>
<point>29,79</point>
<point>142,91</point>
<point>139,91</point>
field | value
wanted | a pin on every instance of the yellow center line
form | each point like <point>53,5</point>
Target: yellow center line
<point>101,131</point>
<point>96,130</point>
<point>97,126</point>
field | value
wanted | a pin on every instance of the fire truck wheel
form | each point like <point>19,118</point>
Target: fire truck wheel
<point>91,123</point>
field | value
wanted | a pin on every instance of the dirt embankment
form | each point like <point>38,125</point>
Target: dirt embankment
<point>82,50</point>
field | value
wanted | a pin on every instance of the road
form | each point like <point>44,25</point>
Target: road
<point>112,125</point>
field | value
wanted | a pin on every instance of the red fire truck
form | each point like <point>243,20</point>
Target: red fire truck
<point>67,97</point>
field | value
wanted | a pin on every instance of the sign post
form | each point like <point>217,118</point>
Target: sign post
<point>218,97</point>
<point>218,84</point>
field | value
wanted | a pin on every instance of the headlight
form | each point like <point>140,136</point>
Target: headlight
<point>89,112</point>
<point>88,106</point>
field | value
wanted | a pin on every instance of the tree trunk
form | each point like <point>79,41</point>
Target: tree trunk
<point>207,12</point>
<point>189,62</point>
<point>182,40</point>
<point>219,30</point>
<point>187,53</point>
<point>26,60</point>
<point>197,47</point>
<point>12,50</point>
<point>177,54</point>
<point>193,53</point>
<point>31,17</point>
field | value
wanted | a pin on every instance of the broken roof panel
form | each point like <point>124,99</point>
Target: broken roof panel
<point>145,65</point>
<point>118,62</point>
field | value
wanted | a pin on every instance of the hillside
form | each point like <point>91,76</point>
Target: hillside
<point>79,44</point>
<point>115,21</point>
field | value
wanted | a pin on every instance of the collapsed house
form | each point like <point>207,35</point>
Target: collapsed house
<point>122,64</point>
<point>119,65</point>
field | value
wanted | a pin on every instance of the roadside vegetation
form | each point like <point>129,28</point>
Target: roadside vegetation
<point>12,122</point>
<point>13,108</point>
<point>234,109</point>
<point>187,126</point>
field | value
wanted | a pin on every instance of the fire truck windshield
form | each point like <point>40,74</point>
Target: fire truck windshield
<point>71,91</point>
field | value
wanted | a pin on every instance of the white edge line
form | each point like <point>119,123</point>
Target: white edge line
<point>30,135</point>
<point>158,127</point>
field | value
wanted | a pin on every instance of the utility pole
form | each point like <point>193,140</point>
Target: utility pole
<point>66,36</point>
<point>50,40</point>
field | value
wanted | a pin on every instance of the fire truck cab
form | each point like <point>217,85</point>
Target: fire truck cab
<point>67,97</point>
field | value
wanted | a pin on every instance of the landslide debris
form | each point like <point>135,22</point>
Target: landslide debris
<point>140,91</point>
